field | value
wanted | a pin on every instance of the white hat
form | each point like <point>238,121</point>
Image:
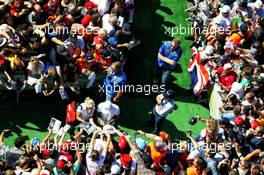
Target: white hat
<point>115,168</point>
<point>227,66</point>
<point>109,129</point>
<point>5,28</point>
<point>193,155</point>
<point>225,9</point>
<point>220,22</point>
<point>209,50</point>
<point>258,4</point>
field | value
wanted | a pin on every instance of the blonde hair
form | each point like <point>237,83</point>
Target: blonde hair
<point>89,103</point>
<point>13,58</point>
<point>52,72</point>
<point>102,32</point>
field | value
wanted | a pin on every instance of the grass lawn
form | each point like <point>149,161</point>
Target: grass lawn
<point>153,17</point>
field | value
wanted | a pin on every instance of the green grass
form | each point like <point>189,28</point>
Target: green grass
<point>31,116</point>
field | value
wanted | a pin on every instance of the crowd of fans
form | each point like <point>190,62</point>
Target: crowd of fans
<point>52,44</point>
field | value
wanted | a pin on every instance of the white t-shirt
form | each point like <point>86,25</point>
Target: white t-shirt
<point>103,7</point>
<point>34,71</point>
<point>166,106</point>
<point>106,25</point>
<point>85,113</point>
<point>93,166</point>
<point>107,114</point>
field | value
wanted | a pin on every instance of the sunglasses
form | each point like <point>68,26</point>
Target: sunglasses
<point>34,59</point>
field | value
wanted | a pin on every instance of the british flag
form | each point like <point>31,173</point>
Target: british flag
<point>199,74</point>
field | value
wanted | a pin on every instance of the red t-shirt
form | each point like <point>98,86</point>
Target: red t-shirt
<point>227,79</point>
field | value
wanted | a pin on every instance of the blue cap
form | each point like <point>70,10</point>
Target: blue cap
<point>35,141</point>
<point>112,41</point>
<point>222,58</point>
<point>243,27</point>
<point>141,143</point>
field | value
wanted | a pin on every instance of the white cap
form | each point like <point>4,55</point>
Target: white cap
<point>209,50</point>
<point>225,9</point>
<point>115,168</point>
<point>258,4</point>
<point>227,66</point>
<point>193,155</point>
<point>236,87</point>
<point>5,28</point>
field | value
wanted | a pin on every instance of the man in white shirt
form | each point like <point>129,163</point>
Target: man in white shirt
<point>95,159</point>
<point>103,6</point>
<point>108,113</point>
<point>35,71</point>
<point>165,105</point>
<point>109,23</point>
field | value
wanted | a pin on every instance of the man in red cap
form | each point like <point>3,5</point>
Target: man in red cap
<point>65,166</point>
<point>128,164</point>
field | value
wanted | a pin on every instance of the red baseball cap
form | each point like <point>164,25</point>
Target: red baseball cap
<point>125,160</point>
<point>98,40</point>
<point>90,5</point>
<point>45,152</point>
<point>254,124</point>
<point>61,164</point>
<point>122,143</point>
<point>164,135</point>
<point>86,20</point>
<point>238,120</point>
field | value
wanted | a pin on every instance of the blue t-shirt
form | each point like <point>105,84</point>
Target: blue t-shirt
<point>167,51</point>
<point>114,82</point>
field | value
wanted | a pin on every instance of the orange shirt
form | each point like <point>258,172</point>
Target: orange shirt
<point>192,171</point>
<point>235,38</point>
<point>155,155</point>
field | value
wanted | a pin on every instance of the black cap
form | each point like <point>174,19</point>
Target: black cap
<point>169,94</point>
<point>193,120</point>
